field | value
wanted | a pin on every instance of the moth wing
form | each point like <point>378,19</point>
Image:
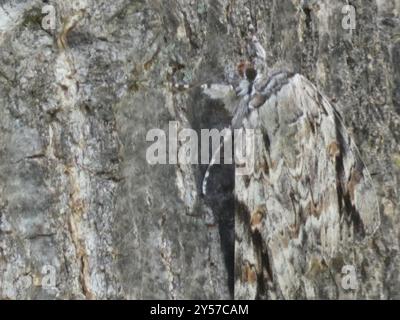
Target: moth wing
<point>313,203</point>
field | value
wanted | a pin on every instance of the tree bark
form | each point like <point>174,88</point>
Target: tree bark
<point>76,103</point>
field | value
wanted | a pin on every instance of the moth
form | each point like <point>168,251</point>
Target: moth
<point>308,207</point>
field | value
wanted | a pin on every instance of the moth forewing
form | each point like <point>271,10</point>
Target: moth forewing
<point>359,185</point>
<point>317,194</point>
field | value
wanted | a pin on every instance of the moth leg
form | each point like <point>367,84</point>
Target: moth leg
<point>217,91</point>
<point>216,155</point>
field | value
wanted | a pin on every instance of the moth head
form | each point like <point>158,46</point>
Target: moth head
<point>247,70</point>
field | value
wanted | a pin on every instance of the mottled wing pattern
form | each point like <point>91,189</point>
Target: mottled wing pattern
<point>309,193</point>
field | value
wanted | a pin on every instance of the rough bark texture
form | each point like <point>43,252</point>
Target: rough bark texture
<point>77,193</point>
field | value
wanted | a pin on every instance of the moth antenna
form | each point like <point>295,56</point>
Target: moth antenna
<point>260,56</point>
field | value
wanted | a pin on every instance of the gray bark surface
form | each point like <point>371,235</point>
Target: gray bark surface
<point>77,193</point>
